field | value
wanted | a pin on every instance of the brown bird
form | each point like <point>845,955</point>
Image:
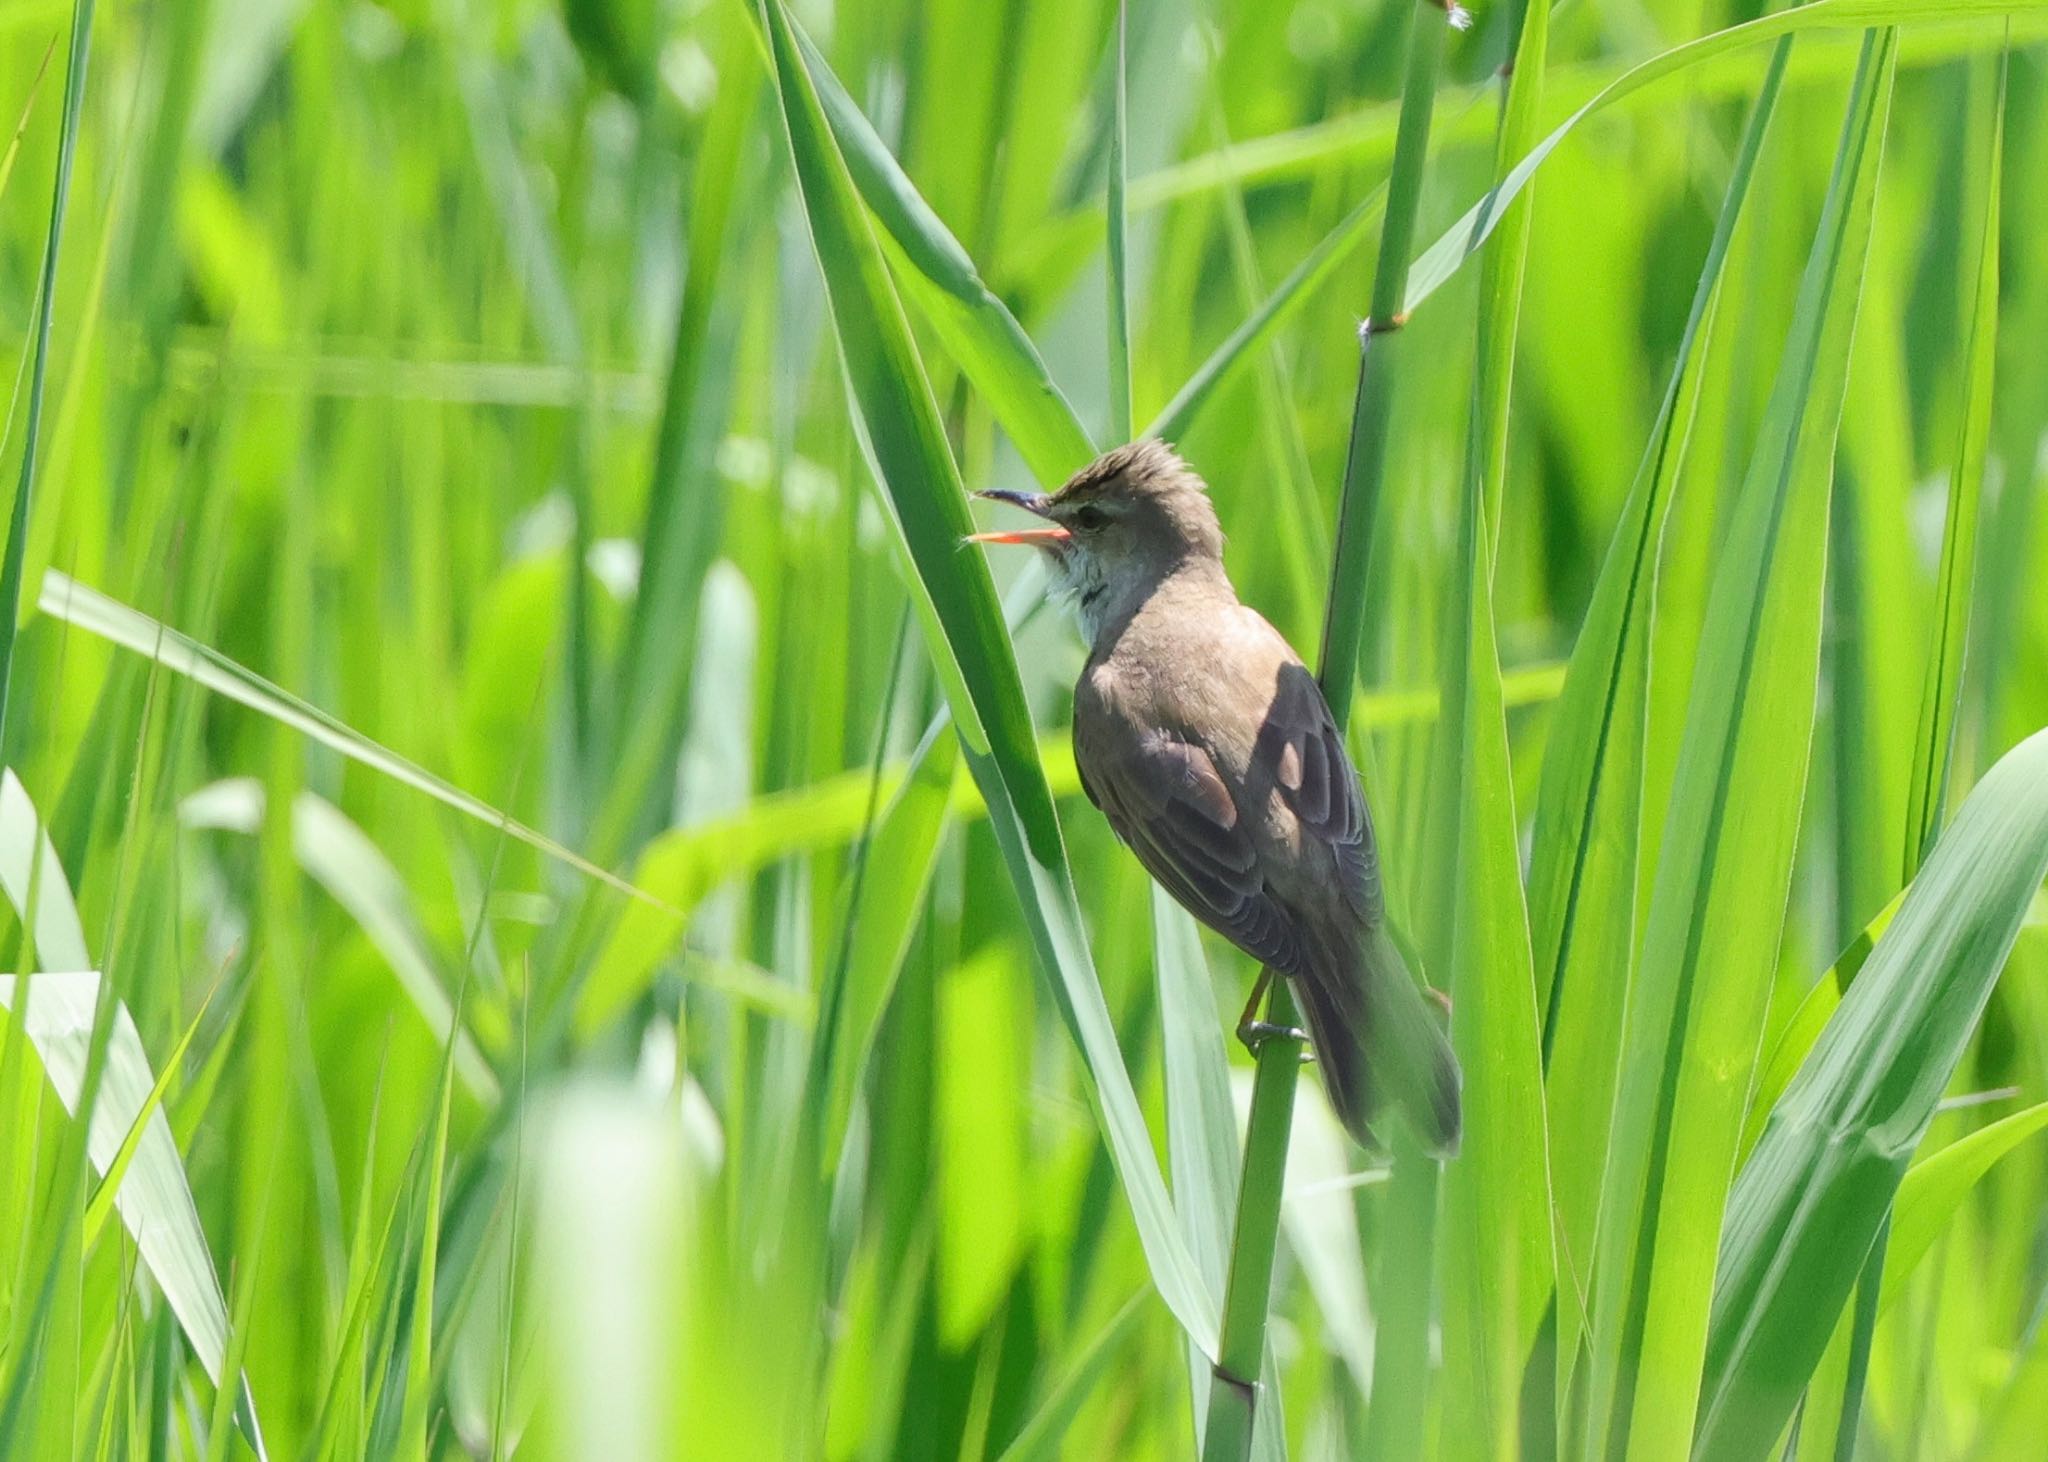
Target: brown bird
<point>1209,747</point>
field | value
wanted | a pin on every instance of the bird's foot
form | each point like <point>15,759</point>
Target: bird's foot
<point>1255,1033</point>
<point>1441,999</point>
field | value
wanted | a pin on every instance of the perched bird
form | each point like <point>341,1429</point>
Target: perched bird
<point>1208,746</point>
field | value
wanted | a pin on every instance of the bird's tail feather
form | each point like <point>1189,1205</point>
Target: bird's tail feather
<point>1379,1045</point>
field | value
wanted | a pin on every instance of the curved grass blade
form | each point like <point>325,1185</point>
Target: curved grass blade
<point>1811,1197</point>
<point>1436,264</point>
<point>977,329</point>
<point>1302,281</point>
<point>1364,139</point>
<point>1935,1187</point>
<point>900,434</point>
<point>77,604</point>
<point>1809,1018</point>
<point>1042,1434</point>
<point>1725,862</point>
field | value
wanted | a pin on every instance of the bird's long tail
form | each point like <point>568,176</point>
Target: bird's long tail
<point>1379,1044</point>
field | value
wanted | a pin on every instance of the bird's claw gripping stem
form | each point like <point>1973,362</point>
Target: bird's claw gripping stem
<point>1255,1033</point>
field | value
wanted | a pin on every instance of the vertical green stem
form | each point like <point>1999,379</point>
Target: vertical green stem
<point>1233,1400</point>
<point>1119,245</point>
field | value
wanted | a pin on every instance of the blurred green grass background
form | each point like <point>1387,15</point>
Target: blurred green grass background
<point>491,645</point>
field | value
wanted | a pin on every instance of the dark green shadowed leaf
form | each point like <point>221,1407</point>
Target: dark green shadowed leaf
<point>1811,1197</point>
<point>900,431</point>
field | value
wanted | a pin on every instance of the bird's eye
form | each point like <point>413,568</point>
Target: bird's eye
<point>1090,518</point>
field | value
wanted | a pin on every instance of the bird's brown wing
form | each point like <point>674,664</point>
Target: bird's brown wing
<point>1314,776</point>
<point>1162,795</point>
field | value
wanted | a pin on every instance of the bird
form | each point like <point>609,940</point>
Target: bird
<point>1210,750</point>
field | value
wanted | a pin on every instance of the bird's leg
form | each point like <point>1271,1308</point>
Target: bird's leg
<point>1441,999</point>
<point>1255,1032</point>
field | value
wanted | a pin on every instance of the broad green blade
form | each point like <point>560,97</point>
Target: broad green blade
<point>901,435</point>
<point>1584,869</point>
<point>1810,1198</point>
<point>1725,862</point>
<point>1495,1238</point>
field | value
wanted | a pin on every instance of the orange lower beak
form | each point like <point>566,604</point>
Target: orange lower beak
<point>1041,537</point>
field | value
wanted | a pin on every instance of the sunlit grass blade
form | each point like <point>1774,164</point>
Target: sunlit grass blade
<point>1584,873</point>
<point>1811,1197</point>
<point>1788,1050</point>
<point>86,608</point>
<point>957,608</point>
<point>154,1196</point>
<point>1496,1226</point>
<point>1725,865</point>
<point>1954,583</point>
<point>1495,1238</point>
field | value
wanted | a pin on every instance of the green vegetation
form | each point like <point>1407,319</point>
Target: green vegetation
<point>560,885</point>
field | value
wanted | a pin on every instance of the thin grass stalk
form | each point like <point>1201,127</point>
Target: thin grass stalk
<point>12,567</point>
<point>1119,240</point>
<point>1233,1399</point>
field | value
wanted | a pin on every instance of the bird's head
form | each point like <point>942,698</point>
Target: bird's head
<point>1118,527</point>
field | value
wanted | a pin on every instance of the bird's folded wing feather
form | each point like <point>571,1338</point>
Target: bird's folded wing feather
<point>1162,795</point>
<point>1318,783</point>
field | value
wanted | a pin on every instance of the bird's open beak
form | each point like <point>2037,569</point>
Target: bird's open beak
<point>1050,536</point>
